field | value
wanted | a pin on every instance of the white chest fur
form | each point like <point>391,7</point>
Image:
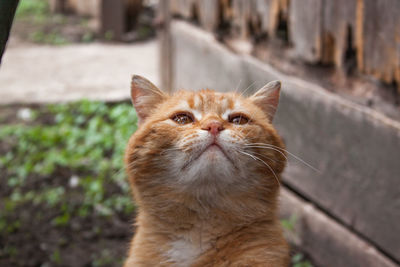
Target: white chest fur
<point>183,252</point>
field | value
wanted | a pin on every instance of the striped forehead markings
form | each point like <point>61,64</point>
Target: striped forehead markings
<point>196,105</point>
<point>197,101</point>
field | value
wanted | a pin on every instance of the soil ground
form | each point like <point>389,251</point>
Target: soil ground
<point>44,219</point>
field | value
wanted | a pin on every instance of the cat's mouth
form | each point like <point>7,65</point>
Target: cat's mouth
<point>213,147</point>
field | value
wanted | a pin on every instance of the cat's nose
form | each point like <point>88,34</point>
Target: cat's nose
<point>214,127</point>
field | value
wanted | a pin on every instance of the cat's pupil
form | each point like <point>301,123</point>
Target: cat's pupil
<point>182,119</point>
<point>239,120</point>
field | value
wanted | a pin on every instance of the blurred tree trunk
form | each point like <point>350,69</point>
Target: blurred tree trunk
<point>7,12</point>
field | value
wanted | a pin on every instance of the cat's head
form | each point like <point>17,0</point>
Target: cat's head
<point>204,141</point>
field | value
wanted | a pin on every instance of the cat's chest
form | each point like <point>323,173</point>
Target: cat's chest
<point>183,252</point>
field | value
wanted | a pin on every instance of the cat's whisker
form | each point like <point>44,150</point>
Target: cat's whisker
<point>251,85</point>
<point>261,155</point>
<point>238,86</point>
<point>272,148</point>
<point>266,164</point>
<point>262,145</point>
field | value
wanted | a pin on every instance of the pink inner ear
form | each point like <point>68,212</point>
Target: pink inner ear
<point>145,96</point>
<point>135,95</point>
<point>268,99</point>
<point>273,100</point>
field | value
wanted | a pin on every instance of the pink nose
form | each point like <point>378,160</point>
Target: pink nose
<point>214,127</point>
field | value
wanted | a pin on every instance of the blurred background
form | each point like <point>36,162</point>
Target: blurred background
<point>65,118</point>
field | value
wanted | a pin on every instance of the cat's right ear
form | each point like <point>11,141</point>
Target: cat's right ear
<point>267,98</point>
<point>145,96</point>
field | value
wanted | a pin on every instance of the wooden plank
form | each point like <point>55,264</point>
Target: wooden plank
<point>240,13</point>
<point>261,15</point>
<point>166,53</point>
<point>356,149</point>
<point>112,21</point>
<point>183,8</point>
<point>208,14</point>
<point>85,8</point>
<point>57,6</point>
<point>305,28</point>
<point>329,243</point>
<point>339,19</point>
<point>379,39</point>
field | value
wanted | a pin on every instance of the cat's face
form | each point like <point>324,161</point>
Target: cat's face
<point>205,139</point>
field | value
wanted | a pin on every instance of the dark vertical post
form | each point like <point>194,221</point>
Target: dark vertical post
<point>113,19</point>
<point>164,35</point>
<point>7,12</point>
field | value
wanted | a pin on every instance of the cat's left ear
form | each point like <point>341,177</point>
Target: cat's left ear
<point>145,96</point>
<point>267,98</point>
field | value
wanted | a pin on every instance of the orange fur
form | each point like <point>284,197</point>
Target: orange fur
<point>199,204</point>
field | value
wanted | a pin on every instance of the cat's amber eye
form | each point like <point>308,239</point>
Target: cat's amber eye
<point>182,118</point>
<point>239,119</point>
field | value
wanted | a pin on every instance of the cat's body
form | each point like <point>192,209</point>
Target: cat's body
<point>204,169</point>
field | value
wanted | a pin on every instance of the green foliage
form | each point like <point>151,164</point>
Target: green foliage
<point>39,25</point>
<point>88,37</point>
<point>289,224</point>
<point>53,38</point>
<point>105,258</point>
<point>109,35</point>
<point>36,8</point>
<point>56,256</point>
<point>86,140</point>
<point>299,261</point>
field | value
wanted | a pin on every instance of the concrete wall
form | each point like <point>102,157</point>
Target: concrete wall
<point>356,150</point>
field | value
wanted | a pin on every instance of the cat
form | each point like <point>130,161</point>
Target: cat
<point>204,169</point>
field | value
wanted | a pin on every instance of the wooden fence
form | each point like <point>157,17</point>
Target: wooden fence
<point>348,213</point>
<point>320,31</point>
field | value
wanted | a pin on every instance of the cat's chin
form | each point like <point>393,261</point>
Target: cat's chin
<point>213,156</point>
<point>215,153</point>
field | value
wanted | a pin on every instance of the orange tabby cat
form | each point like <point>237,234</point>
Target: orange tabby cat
<point>204,169</point>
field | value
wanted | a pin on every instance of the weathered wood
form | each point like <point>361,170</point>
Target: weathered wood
<point>86,8</point>
<point>207,11</point>
<point>379,39</point>
<point>305,28</point>
<point>356,150</point>
<point>261,15</point>
<point>328,242</point>
<point>165,46</point>
<point>57,6</point>
<point>208,14</point>
<point>330,32</point>
<point>240,13</point>
<point>183,8</point>
<point>339,19</point>
<point>112,19</point>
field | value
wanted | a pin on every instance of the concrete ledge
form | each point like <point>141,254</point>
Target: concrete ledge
<point>43,74</point>
<point>356,149</point>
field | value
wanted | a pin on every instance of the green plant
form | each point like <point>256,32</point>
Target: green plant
<point>53,38</point>
<point>299,261</point>
<point>86,139</point>
<point>290,223</point>
<point>56,256</point>
<point>35,8</point>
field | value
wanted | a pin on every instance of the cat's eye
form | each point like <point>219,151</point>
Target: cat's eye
<point>239,119</point>
<point>182,118</point>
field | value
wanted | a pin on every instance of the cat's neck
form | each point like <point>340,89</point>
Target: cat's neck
<point>222,211</point>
